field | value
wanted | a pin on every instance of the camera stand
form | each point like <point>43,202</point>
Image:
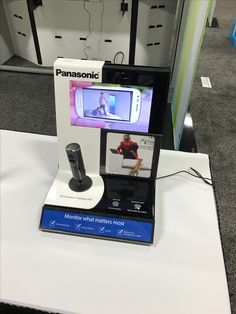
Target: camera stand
<point>80,186</point>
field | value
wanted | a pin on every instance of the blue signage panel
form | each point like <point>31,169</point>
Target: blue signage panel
<point>101,226</point>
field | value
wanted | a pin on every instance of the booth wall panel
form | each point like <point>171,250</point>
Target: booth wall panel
<point>20,29</point>
<point>69,21</point>
<point>6,46</point>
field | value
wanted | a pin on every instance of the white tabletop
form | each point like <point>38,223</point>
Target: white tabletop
<point>182,273</point>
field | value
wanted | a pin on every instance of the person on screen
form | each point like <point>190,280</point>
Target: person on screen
<point>128,148</point>
<point>103,105</point>
<point>74,117</point>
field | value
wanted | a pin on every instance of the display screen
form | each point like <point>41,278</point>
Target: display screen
<point>107,104</point>
<point>129,154</point>
<point>110,106</point>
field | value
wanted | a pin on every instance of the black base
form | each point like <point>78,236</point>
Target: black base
<point>124,213</point>
<point>6,308</point>
<point>214,23</point>
<point>77,186</point>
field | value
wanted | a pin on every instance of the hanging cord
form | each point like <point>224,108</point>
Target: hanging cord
<point>121,53</point>
<point>89,26</point>
<point>196,175</point>
<point>101,30</point>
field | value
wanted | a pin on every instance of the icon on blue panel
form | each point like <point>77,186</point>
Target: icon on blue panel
<point>120,231</point>
<point>52,223</point>
<point>77,226</point>
<point>101,229</point>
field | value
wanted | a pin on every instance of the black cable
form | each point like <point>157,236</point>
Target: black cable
<point>198,175</point>
<point>117,54</point>
<point>201,177</point>
<point>90,29</point>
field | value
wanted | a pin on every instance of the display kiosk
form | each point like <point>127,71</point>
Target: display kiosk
<point>109,126</point>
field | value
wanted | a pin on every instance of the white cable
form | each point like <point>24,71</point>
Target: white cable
<point>101,29</point>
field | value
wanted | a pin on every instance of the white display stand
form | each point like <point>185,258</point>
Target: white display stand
<point>182,273</point>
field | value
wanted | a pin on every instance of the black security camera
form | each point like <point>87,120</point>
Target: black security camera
<point>80,182</point>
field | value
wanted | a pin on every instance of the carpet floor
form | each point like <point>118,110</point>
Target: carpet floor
<point>214,118</point>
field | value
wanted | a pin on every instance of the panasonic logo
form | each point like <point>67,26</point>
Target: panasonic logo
<point>90,75</point>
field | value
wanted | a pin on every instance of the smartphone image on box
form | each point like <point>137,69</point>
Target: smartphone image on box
<point>113,103</point>
<point>110,106</point>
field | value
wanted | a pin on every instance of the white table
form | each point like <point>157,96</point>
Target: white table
<point>182,273</point>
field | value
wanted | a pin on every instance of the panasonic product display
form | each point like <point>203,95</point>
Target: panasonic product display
<point>109,124</point>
